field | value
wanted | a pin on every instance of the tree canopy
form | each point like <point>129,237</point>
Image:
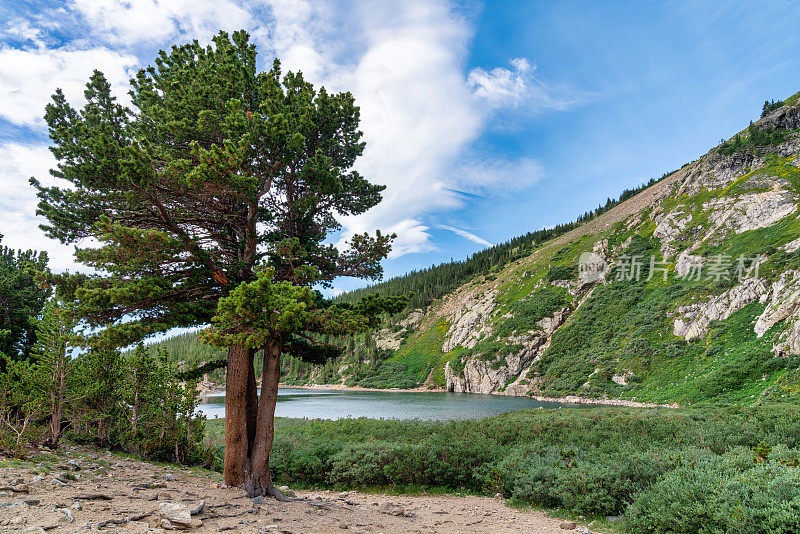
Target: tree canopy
<point>217,167</point>
<point>22,298</point>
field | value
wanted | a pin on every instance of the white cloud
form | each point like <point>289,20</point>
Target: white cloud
<point>412,237</point>
<point>19,225</point>
<point>136,21</point>
<point>335,291</point>
<point>420,112</point>
<point>493,176</point>
<point>21,29</point>
<point>404,62</point>
<point>466,235</point>
<point>503,87</point>
<point>28,78</point>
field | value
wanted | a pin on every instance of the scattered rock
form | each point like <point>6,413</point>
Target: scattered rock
<point>77,506</point>
<point>149,485</point>
<point>286,491</point>
<point>164,496</point>
<point>612,518</point>
<point>18,487</point>
<point>94,497</point>
<point>198,509</point>
<point>392,509</point>
<point>65,477</point>
<point>568,525</point>
<point>169,477</point>
<point>177,516</point>
<point>151,496</point>
<point>67,517</point>
<point>258,500</point>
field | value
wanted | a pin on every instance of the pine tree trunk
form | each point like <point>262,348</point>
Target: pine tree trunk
<point>237,402</point>
<point>135,411</point>
<point>259,481</point>
<point>58,408</point>
<point>250,420</point>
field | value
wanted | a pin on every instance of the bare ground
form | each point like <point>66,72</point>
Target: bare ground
<point>79,489</point>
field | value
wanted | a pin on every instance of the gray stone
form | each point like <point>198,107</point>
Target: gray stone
<point>392,509</point>
<point>177,516</point>
<point>67,516</point>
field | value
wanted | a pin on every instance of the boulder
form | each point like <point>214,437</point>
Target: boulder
<point>177,516</point>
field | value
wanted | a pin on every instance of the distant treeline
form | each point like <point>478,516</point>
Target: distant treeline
<point>191,352</point>
<point>436,281</point>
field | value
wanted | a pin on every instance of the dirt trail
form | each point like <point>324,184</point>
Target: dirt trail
<point>80,490</point>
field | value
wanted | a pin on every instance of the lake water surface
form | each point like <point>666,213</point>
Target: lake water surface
<point>338,404</point>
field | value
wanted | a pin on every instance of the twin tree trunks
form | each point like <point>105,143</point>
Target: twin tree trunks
<point>250,419</point>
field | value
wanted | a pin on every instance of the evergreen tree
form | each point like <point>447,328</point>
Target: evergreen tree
<point>273,315</point>
<point>22,297</point>
<point>100,375</point>
<point>139,379</point>
<point>217,168</point>
<point>51,372</point>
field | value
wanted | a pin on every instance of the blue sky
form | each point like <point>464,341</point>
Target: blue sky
<point>485,120</point>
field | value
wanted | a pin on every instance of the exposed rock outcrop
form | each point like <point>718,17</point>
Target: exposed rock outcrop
<point>693,320</point>
<point>390,339</point>
<point>485,376</point>
<point>470,321</point>
<point>748,212</point>
<point>783,300</point>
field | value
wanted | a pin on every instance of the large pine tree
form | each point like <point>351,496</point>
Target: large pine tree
<point>217,168</point>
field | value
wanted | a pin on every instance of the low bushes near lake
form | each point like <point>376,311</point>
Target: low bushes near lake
<point>705,469</point>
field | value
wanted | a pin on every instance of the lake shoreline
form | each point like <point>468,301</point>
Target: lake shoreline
<point>570,399</point>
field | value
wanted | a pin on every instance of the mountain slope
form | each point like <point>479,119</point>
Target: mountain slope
<point>535,327</point>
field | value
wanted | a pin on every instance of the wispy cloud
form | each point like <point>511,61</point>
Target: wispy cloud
<point>503,87</point>
<point>466,235</point>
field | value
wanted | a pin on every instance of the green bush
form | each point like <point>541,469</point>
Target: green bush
<point>718,495</point>
<point>562,272</point>
<point>704,469</point>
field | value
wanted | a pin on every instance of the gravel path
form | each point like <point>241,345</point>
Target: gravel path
<point>81,490</point>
